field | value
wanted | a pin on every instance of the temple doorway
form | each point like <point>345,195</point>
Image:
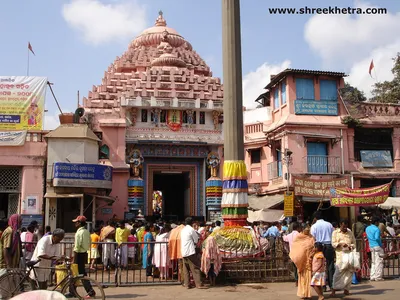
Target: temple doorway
<point>173,190</point>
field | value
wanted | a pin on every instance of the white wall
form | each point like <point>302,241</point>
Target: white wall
<point>71,151</point>
<point>257,115</point>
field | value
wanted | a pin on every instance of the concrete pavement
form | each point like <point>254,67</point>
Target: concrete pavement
<point>385,290</point>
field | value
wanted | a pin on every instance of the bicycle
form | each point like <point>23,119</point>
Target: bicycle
<point>19,281</point>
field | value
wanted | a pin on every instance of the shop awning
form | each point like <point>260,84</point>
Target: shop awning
<point>390,203</point>
<point>267,201</point>
<point>59,195</point>
<point>265,215</point>
<point>110,200</point>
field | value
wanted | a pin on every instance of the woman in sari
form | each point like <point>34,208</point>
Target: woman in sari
<point>148,248</point>
<point>160,258</point>
<point>107,237</point>
<point>343,241</point>
<point>301,254</point>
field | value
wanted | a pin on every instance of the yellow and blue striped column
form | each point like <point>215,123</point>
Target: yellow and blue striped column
<point>234,198</point>
<point>135,193</point>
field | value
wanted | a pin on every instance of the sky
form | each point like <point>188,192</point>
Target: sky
<point>76,40</point>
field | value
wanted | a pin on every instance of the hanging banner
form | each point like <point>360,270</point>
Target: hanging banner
<point>22,102</point>
<point>12,138</point>
<point>359,197</point>
<point>288,202</point>
<point>318,187</point>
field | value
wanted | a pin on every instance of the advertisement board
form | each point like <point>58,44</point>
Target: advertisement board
<point>22,102</point>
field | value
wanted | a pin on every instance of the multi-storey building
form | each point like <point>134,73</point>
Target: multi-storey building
<point>310,139</point>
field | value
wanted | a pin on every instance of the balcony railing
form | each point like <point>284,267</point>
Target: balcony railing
<point>323,164</point>
<point>274,170</point>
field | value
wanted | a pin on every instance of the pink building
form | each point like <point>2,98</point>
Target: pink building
<point>308,134</point>
<point>158,106</point>
<point>22,163</point>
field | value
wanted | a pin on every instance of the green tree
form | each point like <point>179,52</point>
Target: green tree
<point>352,94</point>
<point>389,91</point>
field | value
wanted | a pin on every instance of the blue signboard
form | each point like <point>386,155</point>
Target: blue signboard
<point>82,175</point>
<point>376,159</point>
<point>315,107</point>
<point>10,119</point>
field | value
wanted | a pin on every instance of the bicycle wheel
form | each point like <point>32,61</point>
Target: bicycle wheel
<point>80,287</point>
<point>15,282</point>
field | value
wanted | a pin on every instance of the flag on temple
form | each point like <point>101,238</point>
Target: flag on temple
<point>371,66</point>
<point>30,48</point>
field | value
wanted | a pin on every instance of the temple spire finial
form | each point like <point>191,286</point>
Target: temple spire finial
<point>160,19</point>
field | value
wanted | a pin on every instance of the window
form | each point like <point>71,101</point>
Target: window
<point>144,115</point>
<point>317,159</point>
<point>279,163</point>
<point>163,116</point>
<point>202,117</point>
<point>104,152</point>
<point>255,156</point>
<point>328,90</point>
<point>283,92</point>
<point>276,98</point>
<point>194,117</point>
<point>184,117</point>
<point>305,89</point>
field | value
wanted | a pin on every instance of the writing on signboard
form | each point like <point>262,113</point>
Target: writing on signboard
<point>376,159</point>
<point>313,107</point>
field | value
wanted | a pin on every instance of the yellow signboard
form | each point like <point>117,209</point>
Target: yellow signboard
<point>22,102</point>
<point>288,201</point>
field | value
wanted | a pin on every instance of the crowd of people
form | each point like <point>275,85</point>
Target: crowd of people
<point>324,255</point>
<point>327,255</point>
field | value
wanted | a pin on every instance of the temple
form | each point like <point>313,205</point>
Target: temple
<point>158,114</point>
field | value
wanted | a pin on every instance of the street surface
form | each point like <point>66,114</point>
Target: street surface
<point>386,290</point>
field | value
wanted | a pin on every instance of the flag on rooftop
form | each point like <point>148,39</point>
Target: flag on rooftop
<point>371,66</point>
<point>30,48</point>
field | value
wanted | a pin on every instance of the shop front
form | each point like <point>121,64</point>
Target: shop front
<point>77,189</point>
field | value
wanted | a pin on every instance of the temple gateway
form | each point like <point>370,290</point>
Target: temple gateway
<point>158,114</point>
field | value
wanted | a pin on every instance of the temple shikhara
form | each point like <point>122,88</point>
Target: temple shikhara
<point>158,114</point>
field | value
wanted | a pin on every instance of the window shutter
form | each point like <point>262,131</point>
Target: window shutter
<point>276,98</point>
<point>305,89</point>
<point>283,92</point>
<point>328,90</point>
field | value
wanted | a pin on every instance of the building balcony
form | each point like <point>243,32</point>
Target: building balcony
<point>323,164</point>
<point>172,103</point>
<point>253,128</point>
<point>274,170</point>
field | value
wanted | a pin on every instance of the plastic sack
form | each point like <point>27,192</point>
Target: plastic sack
<point>61,273</point>
<point>354,260</point>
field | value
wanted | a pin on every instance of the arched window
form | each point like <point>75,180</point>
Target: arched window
<point>104,152</point>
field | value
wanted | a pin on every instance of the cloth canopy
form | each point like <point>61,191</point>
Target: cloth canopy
<point>265,215</point>
<point>390,203</point>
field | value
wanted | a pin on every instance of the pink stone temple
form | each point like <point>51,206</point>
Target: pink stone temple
<point>158,113</point>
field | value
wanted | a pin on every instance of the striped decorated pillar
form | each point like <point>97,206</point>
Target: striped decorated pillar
<point>213,191</point>
<point>135,193</point>
<point>234,199</point>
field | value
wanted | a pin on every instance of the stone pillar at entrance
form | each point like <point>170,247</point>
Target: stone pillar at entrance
<point>234,200</point>
<point>213,184</point>
<point>136,184</point>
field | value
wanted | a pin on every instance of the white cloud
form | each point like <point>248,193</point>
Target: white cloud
<point>342,39</point>
<point>254,82</point>
<point>99,22</point>
<point>51,121</point>
<point>349,43</point>
<point>383,63</point>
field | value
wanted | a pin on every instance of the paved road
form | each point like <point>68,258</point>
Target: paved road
<point>386,290</point>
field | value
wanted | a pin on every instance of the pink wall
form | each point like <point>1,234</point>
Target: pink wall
<point>30,157</point>
<point>114,137</point>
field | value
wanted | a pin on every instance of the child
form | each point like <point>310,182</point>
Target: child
<point>94,251</point>
<point>132,247</point>
<point>318,271</point>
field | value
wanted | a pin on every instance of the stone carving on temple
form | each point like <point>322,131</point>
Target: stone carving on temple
<point>213,162</point>
<point>135,160</point>
<point>156,116</point>
<point>190,118</point>
<point>216,114</point>
<point>133,116</point>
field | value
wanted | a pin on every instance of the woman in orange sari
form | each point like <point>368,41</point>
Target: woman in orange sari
<point>301,254</point>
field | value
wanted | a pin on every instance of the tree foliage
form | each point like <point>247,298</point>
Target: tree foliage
<point>389,91</point>
<point>352,94</point>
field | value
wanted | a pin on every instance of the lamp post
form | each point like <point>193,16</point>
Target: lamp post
<point>287,159</point>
